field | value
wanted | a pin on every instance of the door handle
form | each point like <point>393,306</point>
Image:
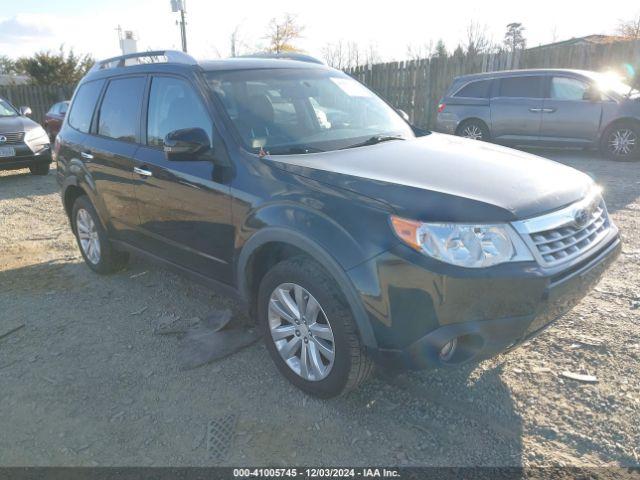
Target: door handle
<point>86,155</point>
<point>535,110</point>
<point>142,172</point>
<point>548,110</point>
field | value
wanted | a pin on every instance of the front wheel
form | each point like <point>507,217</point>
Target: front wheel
<point>309,329</point>
<point>474,130</point>
<point>96,249</point>
<point>621,142</point>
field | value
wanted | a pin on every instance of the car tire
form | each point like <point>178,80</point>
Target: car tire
<point>93,241</point>
<point>350,366</point>
<point>39,169</point>
<point>474,130</point>
<point>621,142</point>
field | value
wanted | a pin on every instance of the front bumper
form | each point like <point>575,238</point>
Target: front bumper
<point>25,157</point>
<point>417,305</point>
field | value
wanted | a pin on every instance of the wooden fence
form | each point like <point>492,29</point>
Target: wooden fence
<point>416,86</point>
<point>39,98</point>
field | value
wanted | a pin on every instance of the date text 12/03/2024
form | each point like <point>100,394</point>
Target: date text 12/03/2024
<point>315,473</point>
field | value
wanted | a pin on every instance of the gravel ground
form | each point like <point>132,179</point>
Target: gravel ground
<point>84,380</point>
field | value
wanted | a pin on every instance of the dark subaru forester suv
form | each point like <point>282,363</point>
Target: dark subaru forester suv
<point>352,237</point>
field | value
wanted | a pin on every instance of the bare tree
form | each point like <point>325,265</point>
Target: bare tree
<point>237,44</point>
<point>343,55</point>
<point>282,33</point>
<point>371,55</point>
<point>478,40</point>
<point>630,29</point>
<point>417,52</point>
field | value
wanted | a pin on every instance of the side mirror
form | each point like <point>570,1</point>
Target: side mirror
<point>592,94</point>
<point>183,144</point>
<point>25,111</point>
<point>404,115</point>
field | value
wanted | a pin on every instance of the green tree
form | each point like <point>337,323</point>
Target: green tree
<point>441,49</point>
<point>514,37</point>
<point>7,65</point>
<point>47,68</point>
<point>282,33</point>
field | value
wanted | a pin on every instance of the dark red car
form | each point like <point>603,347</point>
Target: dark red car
<point>54,117</point>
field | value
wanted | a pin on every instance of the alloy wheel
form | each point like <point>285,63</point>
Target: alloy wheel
<point>301,331</point>
<point>622,141</point>
<point>472,131</point>
<point>88,236</point>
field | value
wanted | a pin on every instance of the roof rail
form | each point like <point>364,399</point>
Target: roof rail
<point>300,57</point>
<point>156,56</point>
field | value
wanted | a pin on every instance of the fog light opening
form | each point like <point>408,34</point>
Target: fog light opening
<point>448,350</point>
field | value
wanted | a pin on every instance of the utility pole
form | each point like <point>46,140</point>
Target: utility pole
<point>180,6</point>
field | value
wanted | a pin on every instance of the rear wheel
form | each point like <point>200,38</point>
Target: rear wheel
<point>309,329</point>
<point>96,249</point>
<point>39,169</point>
<point>621,142</point>
<point>474,130</point>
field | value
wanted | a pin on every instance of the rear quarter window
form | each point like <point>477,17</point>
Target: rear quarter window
<point>84,103</point>
<point>477,89</point>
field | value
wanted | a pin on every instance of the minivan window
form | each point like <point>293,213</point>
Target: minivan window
<point>300,110</point>
<point>84,104</point>
<point>565,88</point>
<point>119,115</point>
<point>528,86</point>
<point>174,105</point>
<point>477,89</point>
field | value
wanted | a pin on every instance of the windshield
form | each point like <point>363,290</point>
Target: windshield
<point>613,84</point>
<point>303,110</point>
<point>6,109</point>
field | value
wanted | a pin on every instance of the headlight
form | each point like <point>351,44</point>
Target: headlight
<point>35,134</point>
<point>465,245</point>
<point>37,139</point>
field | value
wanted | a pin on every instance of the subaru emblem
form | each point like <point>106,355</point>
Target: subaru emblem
<point>581,217</point>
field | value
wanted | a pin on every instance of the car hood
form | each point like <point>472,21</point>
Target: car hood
<point>16,124</point>
<point>446,178</point>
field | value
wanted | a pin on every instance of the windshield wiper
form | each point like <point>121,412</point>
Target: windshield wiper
<point>374,140</point>
<point>294,150</point>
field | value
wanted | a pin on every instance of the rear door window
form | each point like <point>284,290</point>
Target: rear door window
<point>529,86</point>
<point>477,89</point>
<point>119,115</point>
<point>84,103</point>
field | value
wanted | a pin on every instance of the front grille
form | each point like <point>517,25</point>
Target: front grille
<point>563,243</point>
<point>12,138</point>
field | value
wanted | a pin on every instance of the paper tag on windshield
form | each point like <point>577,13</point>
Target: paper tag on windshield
<point>351,87</point>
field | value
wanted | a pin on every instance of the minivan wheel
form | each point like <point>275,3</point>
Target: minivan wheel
<point>309,329</point>
<point>95,247</point>
<point>474,130</point>
<point>621,142</point>
<point>39,169</point>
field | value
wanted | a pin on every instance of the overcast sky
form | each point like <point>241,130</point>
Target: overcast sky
<point>89,26</point>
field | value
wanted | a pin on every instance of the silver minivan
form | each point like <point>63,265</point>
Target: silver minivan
<point>553,107</point>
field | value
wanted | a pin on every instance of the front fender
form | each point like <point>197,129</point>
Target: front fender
<point>298,239</point>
